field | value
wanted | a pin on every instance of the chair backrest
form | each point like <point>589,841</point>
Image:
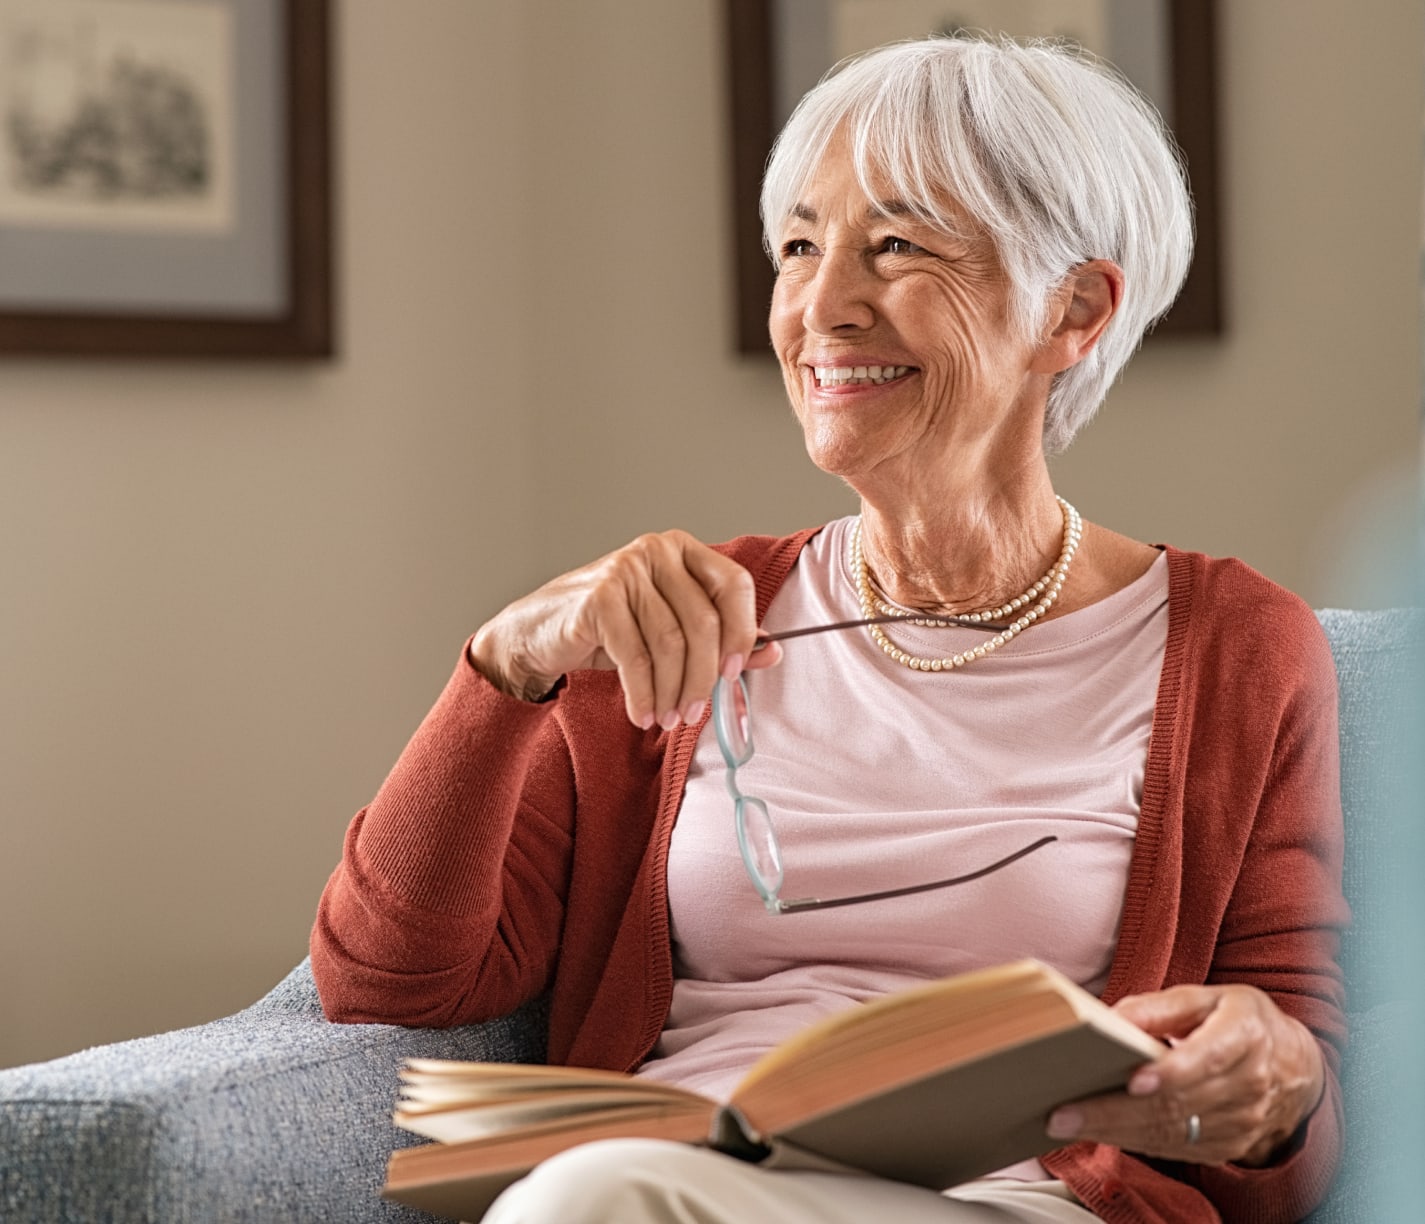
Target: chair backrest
<point>1379,672</point>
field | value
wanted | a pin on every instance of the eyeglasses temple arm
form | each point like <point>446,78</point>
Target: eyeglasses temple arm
<point>949,622</point>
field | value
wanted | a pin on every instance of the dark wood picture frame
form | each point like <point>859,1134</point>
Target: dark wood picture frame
<point>751,59</point>
<point>304,328</point>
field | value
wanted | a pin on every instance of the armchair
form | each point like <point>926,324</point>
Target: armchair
<point>277,1114</point>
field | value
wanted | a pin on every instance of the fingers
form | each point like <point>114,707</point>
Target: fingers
<point>1169,1013</point>
<point>667,611</point>
<point>1247,1072</point>
<point>697,610</point>
<point>734,600</point>
<point>682,636</point>
<point>626,646</point>
<point>1208,1038</point>
<point>1230,1120</point>
<point>768,656</point>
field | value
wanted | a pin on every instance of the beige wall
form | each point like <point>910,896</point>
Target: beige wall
<point>233,591</point>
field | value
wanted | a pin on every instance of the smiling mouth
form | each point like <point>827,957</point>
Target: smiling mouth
<point>866,376</point>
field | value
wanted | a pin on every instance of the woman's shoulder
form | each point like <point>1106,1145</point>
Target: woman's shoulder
<point>1234,612</point>
<point>1229,587</point>
<point>769,559</point>
<point>1225,585</point>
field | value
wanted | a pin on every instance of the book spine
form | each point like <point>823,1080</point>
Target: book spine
<point>733,1135</point>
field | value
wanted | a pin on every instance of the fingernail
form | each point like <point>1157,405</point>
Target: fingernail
<point>1145,1083</point>
<point>732,666</point>
<point>669,720</point>
<point>1065,1123</point>
<point>693,712</point>
<point>646,721</point>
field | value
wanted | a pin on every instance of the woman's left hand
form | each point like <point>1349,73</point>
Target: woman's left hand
<point>1244,1069</point>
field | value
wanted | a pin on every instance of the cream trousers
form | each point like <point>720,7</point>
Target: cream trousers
<point>651,1181</point>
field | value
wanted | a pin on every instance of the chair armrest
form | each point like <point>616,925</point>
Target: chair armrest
<point>1379,1175</point>
<point>274,1113</point>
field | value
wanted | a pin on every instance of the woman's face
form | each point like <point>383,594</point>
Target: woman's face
<point>865,285</point>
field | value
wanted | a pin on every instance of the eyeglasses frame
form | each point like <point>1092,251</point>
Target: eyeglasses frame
<point>771,895</point>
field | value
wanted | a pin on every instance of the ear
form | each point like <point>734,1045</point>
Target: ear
<point>1082,306</point>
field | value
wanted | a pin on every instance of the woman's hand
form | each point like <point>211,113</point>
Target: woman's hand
<point>1247,1071</point>
<point>666,610</point>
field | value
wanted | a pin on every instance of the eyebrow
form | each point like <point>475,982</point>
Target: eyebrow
<point>882,208</point>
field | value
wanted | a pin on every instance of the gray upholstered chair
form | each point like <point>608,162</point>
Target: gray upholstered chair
<point>275,1114</point>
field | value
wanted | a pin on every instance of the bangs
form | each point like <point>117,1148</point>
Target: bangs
<point>883,121</point>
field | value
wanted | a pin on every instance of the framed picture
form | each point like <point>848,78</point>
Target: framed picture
<point>164,178</point>
<point>778,49</point>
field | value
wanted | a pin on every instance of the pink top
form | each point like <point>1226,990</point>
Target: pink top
<point>878,777</point>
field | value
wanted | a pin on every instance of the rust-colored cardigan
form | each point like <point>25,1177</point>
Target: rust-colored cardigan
<point>518,848</point>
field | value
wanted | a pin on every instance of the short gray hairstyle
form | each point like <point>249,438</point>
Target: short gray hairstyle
<point>1047,148</point>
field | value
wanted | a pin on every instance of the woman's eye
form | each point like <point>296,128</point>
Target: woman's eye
<point>797,246</point>
<point>898,246</point>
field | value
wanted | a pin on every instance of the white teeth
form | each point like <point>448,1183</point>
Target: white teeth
<point>837,376</point>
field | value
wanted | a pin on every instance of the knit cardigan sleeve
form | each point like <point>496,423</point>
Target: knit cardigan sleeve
<point>448,903</point>
<point>1280,931</point>
<point>512,851</point>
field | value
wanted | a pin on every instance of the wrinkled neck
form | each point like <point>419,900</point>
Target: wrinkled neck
<point>973,550</point>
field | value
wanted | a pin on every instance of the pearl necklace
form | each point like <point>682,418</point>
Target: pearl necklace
<point>1041,595</point>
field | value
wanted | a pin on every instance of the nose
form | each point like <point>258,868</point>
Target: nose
<point>838,296</point>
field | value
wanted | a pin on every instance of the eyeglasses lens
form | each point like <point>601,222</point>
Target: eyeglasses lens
<point>759,846</point>
<point>734,727</point>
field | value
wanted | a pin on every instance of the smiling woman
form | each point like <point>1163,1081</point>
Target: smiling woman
<point>971,239</point>
<point>994,181</point>
<point>865,283</point>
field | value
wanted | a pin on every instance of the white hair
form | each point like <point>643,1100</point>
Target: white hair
<point>1050,150</point>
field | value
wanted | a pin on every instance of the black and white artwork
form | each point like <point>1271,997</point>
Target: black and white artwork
<point>116,114</point>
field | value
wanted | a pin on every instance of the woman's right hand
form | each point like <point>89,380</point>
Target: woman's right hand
<point>668,612</point>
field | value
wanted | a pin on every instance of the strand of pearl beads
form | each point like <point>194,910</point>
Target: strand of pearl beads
<point>1041,595</point>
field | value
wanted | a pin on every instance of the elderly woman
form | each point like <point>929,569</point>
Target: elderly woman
<point>971,238</point>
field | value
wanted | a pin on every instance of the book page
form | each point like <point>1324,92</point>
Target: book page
<point>446,1070</point>
<point>541,1114</point>
<point>455,1102</point>
<point>437,1089</point>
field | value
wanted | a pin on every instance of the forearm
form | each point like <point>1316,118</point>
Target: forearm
<point>421,923</point>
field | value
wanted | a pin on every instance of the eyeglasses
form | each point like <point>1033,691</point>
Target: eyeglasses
<point>756,836</point>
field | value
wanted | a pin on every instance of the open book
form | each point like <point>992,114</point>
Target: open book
<point>933,1086</point>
